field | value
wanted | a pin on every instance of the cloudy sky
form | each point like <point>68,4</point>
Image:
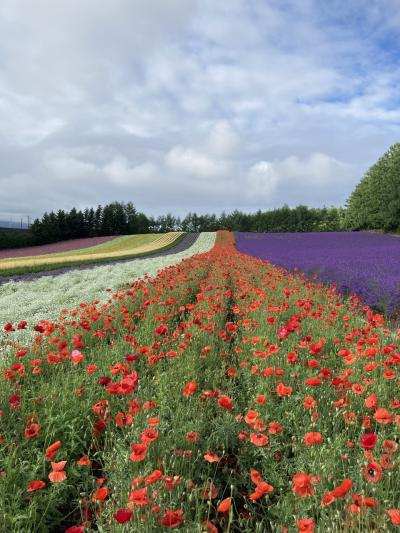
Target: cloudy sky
<point>193,105</point>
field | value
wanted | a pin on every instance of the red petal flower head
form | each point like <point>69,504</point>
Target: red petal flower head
<point>122,516</point>
<point>368,441</point>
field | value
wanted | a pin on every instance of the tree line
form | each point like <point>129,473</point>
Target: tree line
<point>119,218</point>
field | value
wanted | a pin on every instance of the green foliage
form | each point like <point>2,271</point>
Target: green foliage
<point>116,218</point>
<point>375,202</point>
<point>285,219</point>
<point>16,239</point>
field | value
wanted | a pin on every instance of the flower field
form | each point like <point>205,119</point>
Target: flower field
<point>363,263</point>
<point>118,248</point>
<point>55,247</point>
<point>224,394</point>
<point>45,297</point>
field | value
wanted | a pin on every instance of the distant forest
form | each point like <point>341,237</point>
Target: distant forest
<point>119,218</point>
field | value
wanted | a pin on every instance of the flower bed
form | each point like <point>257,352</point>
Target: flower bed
<point>222,395</point>
<point>363,263</point>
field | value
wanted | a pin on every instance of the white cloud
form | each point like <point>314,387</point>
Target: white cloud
<point>213,105</point>
<point>211,158</point>
<point>120,172</point>
<point>191,162</point>
<point>69,168</point>
<point>262,180</point>
<point>222,140</point>
<point>316,170</point>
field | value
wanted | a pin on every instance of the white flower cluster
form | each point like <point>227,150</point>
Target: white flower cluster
<point>43,298</point>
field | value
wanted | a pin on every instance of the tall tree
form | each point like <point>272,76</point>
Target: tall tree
<point>375,202</point>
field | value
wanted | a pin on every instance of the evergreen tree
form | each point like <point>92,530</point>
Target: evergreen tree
<point>131,217</point>
<point>98,217</point>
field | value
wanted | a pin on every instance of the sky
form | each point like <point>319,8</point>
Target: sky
<point>193,105</point>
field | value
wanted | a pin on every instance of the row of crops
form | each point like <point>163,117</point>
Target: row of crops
<point>125,247</point>
<point>224,394</point>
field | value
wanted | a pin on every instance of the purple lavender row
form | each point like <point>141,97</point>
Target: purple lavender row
<point>366,264</point>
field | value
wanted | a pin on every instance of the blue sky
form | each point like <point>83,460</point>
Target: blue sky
<point>193,105</point>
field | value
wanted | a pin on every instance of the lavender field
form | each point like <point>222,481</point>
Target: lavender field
<point>364,263</point>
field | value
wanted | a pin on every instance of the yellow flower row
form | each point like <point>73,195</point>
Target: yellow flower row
<point>127,246</point>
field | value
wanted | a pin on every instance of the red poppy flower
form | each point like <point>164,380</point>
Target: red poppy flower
<point>58,473</point>
<point>153,421</point>
<point>104,381</point>
<point>123,419</point>
<point>189,389</point>
<point>262,488</point>
<point>139,497</point>
<point>148,436</point>
<point>14,401</point>
<point>261,398</point>
<point>305,525</point>
<point>394,516</point>
<point>122,516</point>
<point>371,402</point>
<point>390,446</point>
<point>76,357</point>
<point>211,457</point>
<point>368,441</point>
<point>101,408</point>
<point>84,461</point>
<point>224,506</point>
<point>251,416</point>
<point>172,518</point>
<point>327,498</point>
<point>51,451</point>
<point>153,477</point>
<point>313,438</point>
<point>313,382</point>
<point>100,495</point>
<point>386,461</point>
<point>309,402</point>
<point>138,452</point>
<point>259,439</point>
<point>383,416</point>
<point>283,390</point>
<point>255,476</point>
<point>364,501</point>
<point>32,431</point>
<point>193,436</point>
<point>35,484</point>
<point>372,472</point>
<point>302,485</point>
<point>274,428</point>
<point>225,402</point>
<point>341,490</point>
